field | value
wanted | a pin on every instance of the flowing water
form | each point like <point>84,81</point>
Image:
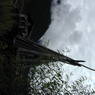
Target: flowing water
<point>73,30</point>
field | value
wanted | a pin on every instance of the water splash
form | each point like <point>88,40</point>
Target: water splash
<point>73,27</point>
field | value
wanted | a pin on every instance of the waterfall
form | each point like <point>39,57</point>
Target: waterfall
<point>73,29</point>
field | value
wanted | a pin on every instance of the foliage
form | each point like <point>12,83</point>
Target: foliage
<point>14,79</point>
<point>50,79</point>
<point>14,74</point>
<point>6,15</point>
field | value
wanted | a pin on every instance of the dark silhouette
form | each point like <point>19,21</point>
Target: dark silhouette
<point>40,14</point>
<point>31,17</point>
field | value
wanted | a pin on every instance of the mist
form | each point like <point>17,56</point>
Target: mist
<point>72,28</point>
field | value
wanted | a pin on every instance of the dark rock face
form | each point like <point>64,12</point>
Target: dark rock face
<point>40,13</point>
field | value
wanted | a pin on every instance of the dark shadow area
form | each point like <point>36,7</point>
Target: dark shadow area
<point>14,78</point>
<point>40,13</point>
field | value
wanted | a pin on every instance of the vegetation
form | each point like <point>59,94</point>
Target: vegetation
<point>52,80</point>
<point>6,15</point>
<point>18,77</point>
<point>13,79</point>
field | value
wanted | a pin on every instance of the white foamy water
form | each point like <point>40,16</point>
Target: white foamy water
<point>73,27</point>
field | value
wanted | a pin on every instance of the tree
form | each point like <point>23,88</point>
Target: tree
<point>14,68</point>
<point>13,79</point>
<point>51,79</point>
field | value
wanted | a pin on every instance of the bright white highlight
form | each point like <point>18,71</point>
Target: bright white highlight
<point>73,27</point>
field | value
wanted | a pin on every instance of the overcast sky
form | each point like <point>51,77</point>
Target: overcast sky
<point>73,28</point>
